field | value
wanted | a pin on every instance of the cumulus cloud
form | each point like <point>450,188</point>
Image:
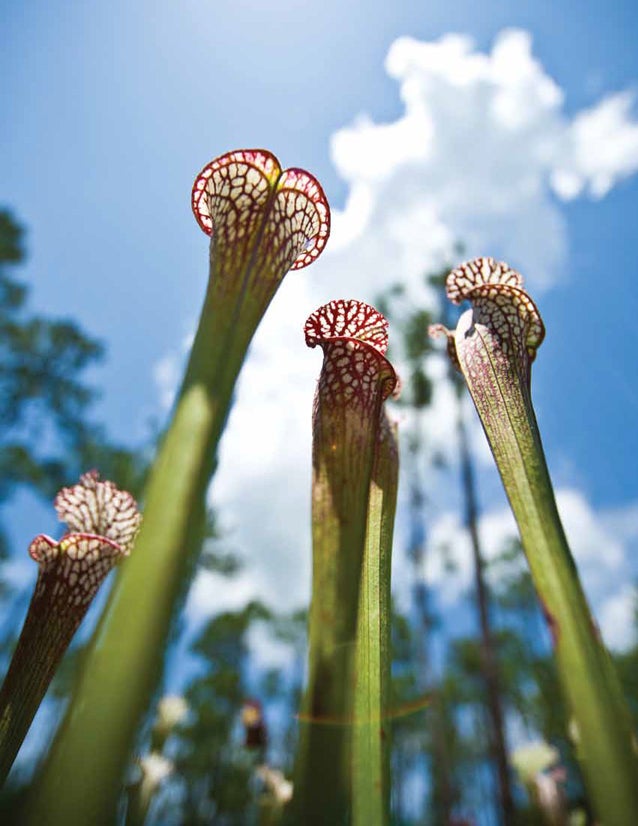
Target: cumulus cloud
<point>483,152</point>
<point>167,372</point>
<point>616,617</point>
<point>481,149</point>
<point>601,147</point>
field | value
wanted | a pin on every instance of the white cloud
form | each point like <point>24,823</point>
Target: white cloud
<point>623,521</point>
<point>601,148</point>
<point>269,652</point>
<point>483,143</point>
<point>617,618</point>
<point>483,153</point>
<point>167,373</point>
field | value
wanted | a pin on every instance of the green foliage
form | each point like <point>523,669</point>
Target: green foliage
<point>40,357</point>
<point>411,346</point>
<point>212,766</point>
<point>215,765</point>
<point>409,728</point>
<point>46,437</point>
<point>627,665</point>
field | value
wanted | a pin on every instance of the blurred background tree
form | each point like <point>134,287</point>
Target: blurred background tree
<point>48,433</point>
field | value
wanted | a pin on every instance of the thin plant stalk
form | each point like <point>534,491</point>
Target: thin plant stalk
<point>264,221</point>
<point>354,381</point>
<point>489,661</point>
<point>371,736</point>
<point>494,345</point>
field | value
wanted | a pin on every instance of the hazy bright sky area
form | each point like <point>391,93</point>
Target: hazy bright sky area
<point>512,127</point>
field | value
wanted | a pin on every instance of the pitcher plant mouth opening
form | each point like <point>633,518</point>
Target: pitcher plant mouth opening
<point>500,307</point>
<point>103,523</point>
<point>354,339</point>
<point>262,221</point>
<point>234,191</point>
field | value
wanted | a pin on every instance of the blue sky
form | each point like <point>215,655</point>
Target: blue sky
<point>110,109</point>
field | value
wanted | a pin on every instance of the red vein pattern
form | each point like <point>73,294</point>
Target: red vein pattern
<point>259,215</point>
<point>463,279</point>
<point>354,338</point>
<point>501,304</point>
<point>103,522</point>
<point>513,316</point>
<point>73,568</point>
<point>96,507</point>
<point>347,319</point>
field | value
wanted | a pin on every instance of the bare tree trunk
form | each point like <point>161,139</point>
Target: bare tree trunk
<point>420,598</point>
<point>489,662</point>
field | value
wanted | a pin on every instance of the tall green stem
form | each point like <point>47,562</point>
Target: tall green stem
<point>586,671</point>
<point>322,778</point>
<point>122,667</point>
<point>371,736</point>
<point>264,222</point>
<point>354,381</point>
<point>494,344</point>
